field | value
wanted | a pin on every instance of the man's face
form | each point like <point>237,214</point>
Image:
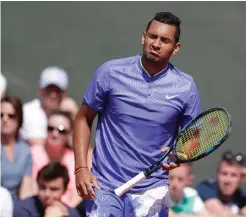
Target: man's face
<point>51,97</point>
<point>229,178</point>
<point>179,178</point>
<point>50,191</point>
<point>159,42</point>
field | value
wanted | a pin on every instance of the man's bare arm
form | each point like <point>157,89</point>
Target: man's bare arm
<point>81,140</point>
<point>82,133</point>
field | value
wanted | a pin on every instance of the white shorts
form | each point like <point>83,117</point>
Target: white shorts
<point>152,203</point>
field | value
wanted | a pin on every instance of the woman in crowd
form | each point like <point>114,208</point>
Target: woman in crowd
<point>59,131</point>
<point>16,160</point>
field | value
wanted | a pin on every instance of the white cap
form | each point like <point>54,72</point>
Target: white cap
<point>3,83</point>
<point>54,75</point>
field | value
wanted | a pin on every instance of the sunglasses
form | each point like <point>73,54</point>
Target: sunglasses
<point>238,158</point>
<point>61,129</point>
<point>9,115</point>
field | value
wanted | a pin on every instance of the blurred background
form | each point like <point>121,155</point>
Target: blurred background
<point>79,36</point>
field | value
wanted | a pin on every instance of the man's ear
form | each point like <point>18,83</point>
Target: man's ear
<point>143,37</point>
<point>176,48</point>
<point>190,179</point>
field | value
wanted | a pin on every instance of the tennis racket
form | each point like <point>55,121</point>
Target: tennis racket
<point>198,138</point>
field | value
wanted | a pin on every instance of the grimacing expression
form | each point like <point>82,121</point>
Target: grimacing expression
<point>229,178</point>
<point>9,119</point>
<point>51,97</point>
<point>159,42</point>
<point>50,191</point>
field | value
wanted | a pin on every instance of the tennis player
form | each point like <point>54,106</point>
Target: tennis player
<point>141,102</point>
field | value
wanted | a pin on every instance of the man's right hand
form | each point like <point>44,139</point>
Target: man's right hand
<point>85,181</point>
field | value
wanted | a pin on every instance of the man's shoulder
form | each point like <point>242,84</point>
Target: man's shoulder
<point>121,62</point>
<point>29,206</point>
<point>33,112</point>
<point>207,189</point>
<point>26,204</point>
<point>33,103</point>
<point>32,107</point>
<point>179,73</point>
<point>209,184</point>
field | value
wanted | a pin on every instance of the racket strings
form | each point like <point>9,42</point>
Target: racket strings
<point>202,135</point>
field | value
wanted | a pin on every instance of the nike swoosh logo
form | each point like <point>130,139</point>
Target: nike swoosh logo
<point>170,97</point>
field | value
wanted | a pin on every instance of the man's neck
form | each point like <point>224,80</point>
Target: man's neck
<point>152,68</point>
<point>176,199</point>
<point>225,198</point>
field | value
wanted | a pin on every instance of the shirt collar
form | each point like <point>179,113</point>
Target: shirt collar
<point>159,74</point>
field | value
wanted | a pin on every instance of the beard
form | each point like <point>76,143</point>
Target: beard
<point>152,58</point>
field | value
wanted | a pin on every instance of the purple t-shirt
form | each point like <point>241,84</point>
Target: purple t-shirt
<point>138,114</point>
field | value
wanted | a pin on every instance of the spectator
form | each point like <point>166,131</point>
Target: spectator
<point>16,161</point>
<point>69,105</point>
<point>6,203</point>
<point>184,199</point>
<point>224,195</point>
<point>59,129</point>
<point>52,183</point>
<point>52,89</point>
<point>3,85</point>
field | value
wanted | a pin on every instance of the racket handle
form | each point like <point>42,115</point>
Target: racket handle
<point>128,185</point>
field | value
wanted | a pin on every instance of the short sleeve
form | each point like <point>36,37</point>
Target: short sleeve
<point>206,191</point>
<point>96,93</point>
<point>192,107</point>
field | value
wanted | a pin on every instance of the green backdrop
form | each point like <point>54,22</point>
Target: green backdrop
<point>79,36</point>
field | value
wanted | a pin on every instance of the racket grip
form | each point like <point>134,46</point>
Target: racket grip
<point>128,185</point>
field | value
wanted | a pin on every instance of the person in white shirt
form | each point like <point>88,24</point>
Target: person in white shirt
<point>52,90</point>
<point>183,200</point>
<point>6,203</point>
<point>3,85</point>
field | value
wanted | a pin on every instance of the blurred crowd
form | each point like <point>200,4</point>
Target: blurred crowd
<point>37,161</point>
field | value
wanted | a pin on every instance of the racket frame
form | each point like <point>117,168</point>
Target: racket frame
<point>217,145</point>
<point>158,165</point>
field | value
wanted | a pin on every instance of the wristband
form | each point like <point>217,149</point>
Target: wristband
<point>79,168</point>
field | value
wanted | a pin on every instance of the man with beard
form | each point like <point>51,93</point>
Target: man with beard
<point>141,102</point>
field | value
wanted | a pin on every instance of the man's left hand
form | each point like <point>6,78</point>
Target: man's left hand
<point>171,165</point>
